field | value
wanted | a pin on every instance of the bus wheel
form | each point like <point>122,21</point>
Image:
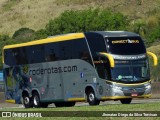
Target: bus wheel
<point>70,104</point>
<point>27,101</point>
<point>91,98</point>
<point>36,100</point>
<point>126,101</point>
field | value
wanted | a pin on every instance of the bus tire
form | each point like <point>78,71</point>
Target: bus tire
<point>126,101</point>
<point>36,100</point>
<point>27,101</point>
<point>91,98</point>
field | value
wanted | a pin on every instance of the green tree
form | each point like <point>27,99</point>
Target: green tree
<point>154,35</point>
<point>23,35</point>
<point>86,20</point>
<point>4,37</point>
<point>40,34</point>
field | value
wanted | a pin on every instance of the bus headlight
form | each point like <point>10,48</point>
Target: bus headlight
<point>148,86</point>
<point>116,87</point>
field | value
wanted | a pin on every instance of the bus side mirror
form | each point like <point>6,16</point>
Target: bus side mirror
<point>155,59</point>
<point>110,58</point>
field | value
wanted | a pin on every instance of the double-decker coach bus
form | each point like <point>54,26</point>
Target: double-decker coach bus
<point>91,66</point>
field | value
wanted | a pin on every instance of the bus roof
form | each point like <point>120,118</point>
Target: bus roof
<point>116,33</point>
<point>51,39</point>
<point>72,36</point>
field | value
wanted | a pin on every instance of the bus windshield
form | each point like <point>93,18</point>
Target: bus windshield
<point>130,71</point>
<point>125,45</point>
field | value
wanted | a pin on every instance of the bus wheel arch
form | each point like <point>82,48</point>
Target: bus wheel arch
<point>26,100</point>
<point>91,97</point>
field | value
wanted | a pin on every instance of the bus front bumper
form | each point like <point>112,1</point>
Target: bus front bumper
<point>121,92</point>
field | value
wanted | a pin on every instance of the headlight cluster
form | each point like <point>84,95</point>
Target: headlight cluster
<point>148,86</point>
<point>116,87</point>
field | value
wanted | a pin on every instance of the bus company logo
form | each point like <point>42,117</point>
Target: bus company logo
<point>25,69</point>
<point>51,70</point>
<point>128,41</point>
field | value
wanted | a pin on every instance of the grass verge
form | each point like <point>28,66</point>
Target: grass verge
<point>83,110</point>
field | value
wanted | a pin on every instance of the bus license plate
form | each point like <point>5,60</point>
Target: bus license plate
<point>134,94</point>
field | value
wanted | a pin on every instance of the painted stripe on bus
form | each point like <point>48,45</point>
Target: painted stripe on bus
<point>48,40</point>
<point>123,97</point>
<point>11,101</point>
<point>135,84</point>
<point>76,99</point>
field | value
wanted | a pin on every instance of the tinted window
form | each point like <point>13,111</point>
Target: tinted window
<point>8,57</point>
<point>20,56</point>
<point>130,71</point>
<point>15,56</point>
<point>71,49</point>
<point>81,50</point>
<point>24,55</point>
<point>96,43</point>
<point>37,54</point>
<point>74,49</point>
<point>125,45</point>
<point>51,52</point>
<point>66,50</point>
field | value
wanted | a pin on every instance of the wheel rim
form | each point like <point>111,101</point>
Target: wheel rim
<point>91,97</point>
<point>26,100</point>
<point>36,100</point>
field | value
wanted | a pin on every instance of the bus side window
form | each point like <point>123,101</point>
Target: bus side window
<point>66,50</point>
<point>6,57</point>
<point>81,50</point>
<point>9,57</point>
<point>51,56</point>
<point>96,43</point>
<point>20,56</point>
<point>38,54</point>
<point>28,51</point>
<point>15,55</point>
<point>85,55</point>
<point>51,52</point>
<point>24,56</point>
